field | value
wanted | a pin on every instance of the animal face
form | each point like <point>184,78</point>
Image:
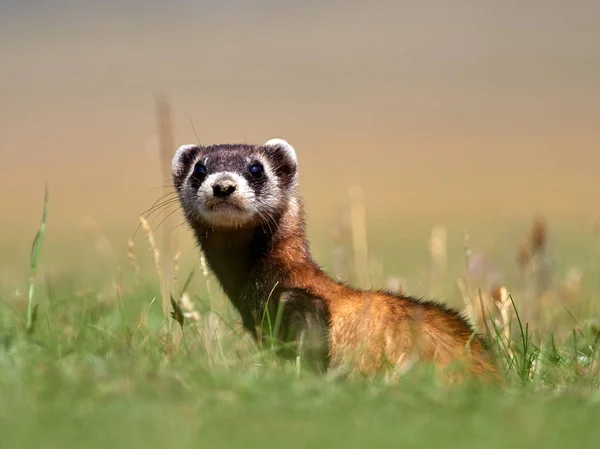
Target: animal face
<point>234,185</point>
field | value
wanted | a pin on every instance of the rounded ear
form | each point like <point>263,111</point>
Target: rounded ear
<point>182,156</point>
<point>284,156</point>
<point>284,147</point>
<point>181,162</point>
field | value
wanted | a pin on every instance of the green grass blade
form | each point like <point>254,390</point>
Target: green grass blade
<point>36,249</point>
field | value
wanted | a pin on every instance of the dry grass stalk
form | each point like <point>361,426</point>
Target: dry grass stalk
<point>438,245</point>
<point>477,306</point>
<point>167,150</point>
<point>570,290</point>
<point>467,255</point>
<point>173,339</point>
<point>395,284</point>
<point>176,270</point>
<point>486,299</point>
<point>503,304</point>
<point>119,287</point>
<point>539,234</point>
<point>359,235</point>
<point>473,298</point>
<point>342,253</point>
<point>133,260</point>
<point>157,265</point>
<point>438,255</point>
<point>208,326</point>
<point>535,268</point>
<point>490,310</point>
<point>469,309</point>
<point>205,273</point>
<point>189,310</point>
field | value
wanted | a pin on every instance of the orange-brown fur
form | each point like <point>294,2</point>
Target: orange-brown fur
<point>372,329</point>
<point>267,266</point>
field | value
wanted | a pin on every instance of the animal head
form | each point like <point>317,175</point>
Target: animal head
<point>234,185</point>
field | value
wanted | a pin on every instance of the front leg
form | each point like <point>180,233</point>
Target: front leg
<point>299,322</point>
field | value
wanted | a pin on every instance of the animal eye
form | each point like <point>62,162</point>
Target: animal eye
<point>256,170</point>
<point>200,170</point>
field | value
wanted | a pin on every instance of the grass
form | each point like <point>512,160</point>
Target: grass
<point>34,262</point>
<point>134,404</point>
<point>100,367</point>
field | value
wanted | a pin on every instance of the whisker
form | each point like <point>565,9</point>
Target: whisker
<point>164,219</point>
<point>262,219</point>
<point>166,186</point>
<point>151,211</point>
<point>193,128</point>
<point>167,209</point>
<point>159,206</point>
<point>270,217</point>
<point>160,198</point>
<point>266,218</point>
<point>179,225</point>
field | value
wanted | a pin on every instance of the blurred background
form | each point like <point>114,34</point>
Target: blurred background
<point>465,113</point>
<point>447,149</point>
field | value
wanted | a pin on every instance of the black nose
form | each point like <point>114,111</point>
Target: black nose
<point>223,189</point>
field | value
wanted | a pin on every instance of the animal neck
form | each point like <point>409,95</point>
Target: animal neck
<point>252,264</point>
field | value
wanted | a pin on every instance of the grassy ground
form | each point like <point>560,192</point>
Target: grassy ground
<point>99,369</point>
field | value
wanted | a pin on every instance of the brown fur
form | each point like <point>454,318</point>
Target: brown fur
<point>263,268</point>
<point>371,329</point>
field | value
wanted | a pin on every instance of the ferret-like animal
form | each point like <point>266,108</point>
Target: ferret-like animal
<point>243,205</point>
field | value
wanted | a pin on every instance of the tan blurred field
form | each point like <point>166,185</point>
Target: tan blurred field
<point>462,113</point>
